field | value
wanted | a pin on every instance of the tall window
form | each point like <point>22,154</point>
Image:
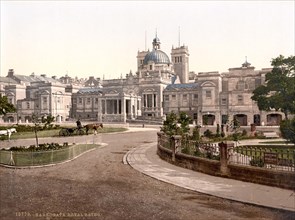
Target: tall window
<point>80,101</point>
<point>184,97</point>
<point>88,101</point>
<point>28,105</point>
<point>223,101</point>
<point>208,94</point>
<point>149,100</point>
<point>173,97</point>
<point>166,98</point>
<point>103,107</point>
<point>240,99</point>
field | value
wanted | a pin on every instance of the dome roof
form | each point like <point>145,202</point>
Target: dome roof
<point>156,56</point>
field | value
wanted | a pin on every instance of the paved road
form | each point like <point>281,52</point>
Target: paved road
<point>98,185</point>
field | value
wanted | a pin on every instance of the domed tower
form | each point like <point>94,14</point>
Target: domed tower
<point>156,56</point>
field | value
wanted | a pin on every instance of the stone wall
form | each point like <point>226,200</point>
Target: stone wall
<point>244,173</point>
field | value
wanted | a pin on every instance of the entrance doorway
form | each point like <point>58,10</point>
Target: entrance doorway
<point>274,119</point>
<point>242,119</point>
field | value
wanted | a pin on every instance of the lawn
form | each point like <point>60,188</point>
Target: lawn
<point>35,158</point>
<point>55,133</point>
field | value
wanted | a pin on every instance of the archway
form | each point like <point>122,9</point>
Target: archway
<point>273,119</point>
<point>208,119</point>
<point>257,120</point>
<point>242,119</point>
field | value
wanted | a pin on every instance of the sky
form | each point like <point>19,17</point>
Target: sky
<point>102,38</point>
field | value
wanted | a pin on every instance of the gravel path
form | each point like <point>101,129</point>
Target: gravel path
<point>98,185</point>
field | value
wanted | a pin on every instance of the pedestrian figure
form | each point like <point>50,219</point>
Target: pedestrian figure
<point>79,125</point>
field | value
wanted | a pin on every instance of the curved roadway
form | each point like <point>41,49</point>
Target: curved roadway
<point>98,185</point>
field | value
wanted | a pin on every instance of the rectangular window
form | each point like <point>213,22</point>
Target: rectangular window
<point>151,67</point>
<point>208,94</point>
<point>155,102</point>
<point>195,116</point>
<point>166,98</point>
<point>88,101</point>
<point>173,97</point>
<point>115,106</point>
<point>180,59</point>
<point>240,99</point>
<point>44,100</point>
<point>184,97</point>
<point>196,96</point>
<point>223,101</point>
<point>224,119</point>
<point>80,101</point>
<point>96,101</point>
<point>103,107</point>
<point>28,105</point>
<point>149,100</point>
<point>120,108</point>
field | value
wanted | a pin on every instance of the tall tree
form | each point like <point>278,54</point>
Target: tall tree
<point>279,90</point>
<point>5,106</point>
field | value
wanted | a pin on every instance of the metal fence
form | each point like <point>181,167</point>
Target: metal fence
<point>37,158</point>
<point>279,158</point>
<point>192,147</point>
<point>265,157</point>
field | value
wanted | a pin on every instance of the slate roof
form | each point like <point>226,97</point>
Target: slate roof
<point>8,80</point>
<point>90,90</point>
<point>182,86</point>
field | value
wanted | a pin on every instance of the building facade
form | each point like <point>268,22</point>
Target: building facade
<point>159,86</point>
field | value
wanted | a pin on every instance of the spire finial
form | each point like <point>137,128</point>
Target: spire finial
<point>178,36</point>
<point>156,33</point>
<point>145,41</point>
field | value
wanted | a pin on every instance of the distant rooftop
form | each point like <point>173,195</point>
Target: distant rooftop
<point>182,86</point>
<point>90,90</point>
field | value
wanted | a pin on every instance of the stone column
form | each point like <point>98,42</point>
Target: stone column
<point>223,149</point>
<point>174,144</point>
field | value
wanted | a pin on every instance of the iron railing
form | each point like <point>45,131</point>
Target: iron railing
<point>265,157</point>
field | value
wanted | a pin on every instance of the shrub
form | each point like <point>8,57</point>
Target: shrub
<point>257,162</point>
<point>244,132</point>
<point>287,128</point>
<point>208,133</point>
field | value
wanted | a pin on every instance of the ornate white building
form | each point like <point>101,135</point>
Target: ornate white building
<point>159,86</point>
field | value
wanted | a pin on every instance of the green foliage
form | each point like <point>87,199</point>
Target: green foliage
<point>218,131</point>
<point>244,132</point>
<point>235,126</point>
<point>257,162</point>
<point>47,121</point>
<point>279,90</point>
<point>170,125</point>
<point>196,133</point>
<point>5,106</point>
<point>41,147</point>
<point>287,128</point>
<point>208,133</point>
<point>184,121</point>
